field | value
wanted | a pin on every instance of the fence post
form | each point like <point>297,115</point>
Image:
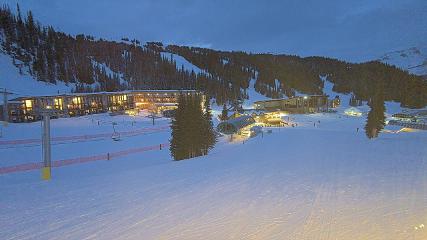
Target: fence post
<point>108,156</point>
<point>160,146</point>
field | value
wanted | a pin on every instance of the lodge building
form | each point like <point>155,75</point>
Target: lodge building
<point>301,104</point>
<point>26,109</point>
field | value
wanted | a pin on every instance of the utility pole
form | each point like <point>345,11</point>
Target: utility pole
<point>5,104</point>
<point>46,145</point>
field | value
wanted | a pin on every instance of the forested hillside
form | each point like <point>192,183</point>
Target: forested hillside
<point>99,65</point>
<point>52,56</point>
<point>278,75</point>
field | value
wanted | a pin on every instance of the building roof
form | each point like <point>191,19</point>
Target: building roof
<point>234,125</point>
<point>286,99</point>
<point>104,93</point>
<point>352,109</point>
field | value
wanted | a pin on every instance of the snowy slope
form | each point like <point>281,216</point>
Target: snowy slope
<point>323,182</point>
<point>24,84</point>
<point>109,72</point>
<point>253,95</point>
<point>413,59</point>
<point>391,107</point>
<point>344,98</point>
<point>182,62</point>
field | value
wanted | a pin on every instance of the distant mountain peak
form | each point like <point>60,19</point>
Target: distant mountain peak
<point>413,60</point>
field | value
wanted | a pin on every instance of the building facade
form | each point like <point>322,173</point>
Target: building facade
<point>26,109</point>
<point>303,104</point>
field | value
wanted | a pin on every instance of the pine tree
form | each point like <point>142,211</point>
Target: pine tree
<point>209,132</point>
<point>32,30</point>
<point>178,140</point>
<point>376,118</point>
<point>224,113</point>
<point>192,129</point>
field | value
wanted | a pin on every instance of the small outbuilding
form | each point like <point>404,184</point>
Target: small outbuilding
<point>353,112</point>
<point>234,125</point>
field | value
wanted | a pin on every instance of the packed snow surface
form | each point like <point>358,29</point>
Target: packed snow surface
<point>253,95</point>
<point>309,182</point>
<point>25,84</point>
<point>182,62</point>
<point>110,72</point>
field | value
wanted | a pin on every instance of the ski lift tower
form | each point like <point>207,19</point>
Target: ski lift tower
<point>46,113</point>
<point>153,116</point>
<point>5,107</point>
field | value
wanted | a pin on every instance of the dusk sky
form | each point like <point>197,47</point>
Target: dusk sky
<point>352,30</point>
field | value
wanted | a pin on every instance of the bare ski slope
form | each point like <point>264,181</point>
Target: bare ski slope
<point>323,182</point>
<point>24,84</point>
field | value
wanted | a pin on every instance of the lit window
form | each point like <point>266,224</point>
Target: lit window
<point>29,103</point>
<point>76,100</point>
<point>58,103</point>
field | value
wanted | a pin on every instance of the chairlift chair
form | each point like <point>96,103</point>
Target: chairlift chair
<point>115,136</point>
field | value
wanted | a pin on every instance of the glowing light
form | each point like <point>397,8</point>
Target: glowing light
<point>29,103</point>
<point>76,100</point>
<point>58,103</point>
<point>131,112</point>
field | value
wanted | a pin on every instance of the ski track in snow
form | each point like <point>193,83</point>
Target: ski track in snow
<point>323,182</point>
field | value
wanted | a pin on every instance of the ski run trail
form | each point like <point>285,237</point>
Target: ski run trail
<point>309,182</point>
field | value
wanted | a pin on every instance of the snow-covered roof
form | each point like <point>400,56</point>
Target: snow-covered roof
<point>109,93</point>
<point>233,125</point>
<point>352,109</point>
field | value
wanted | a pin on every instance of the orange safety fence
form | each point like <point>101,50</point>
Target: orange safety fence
<point>84,137</point>
<point>60,163</point>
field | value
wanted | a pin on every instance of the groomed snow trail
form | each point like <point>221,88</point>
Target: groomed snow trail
<point>323,182</point>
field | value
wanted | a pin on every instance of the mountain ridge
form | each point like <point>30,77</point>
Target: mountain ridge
<point>413,60</point>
